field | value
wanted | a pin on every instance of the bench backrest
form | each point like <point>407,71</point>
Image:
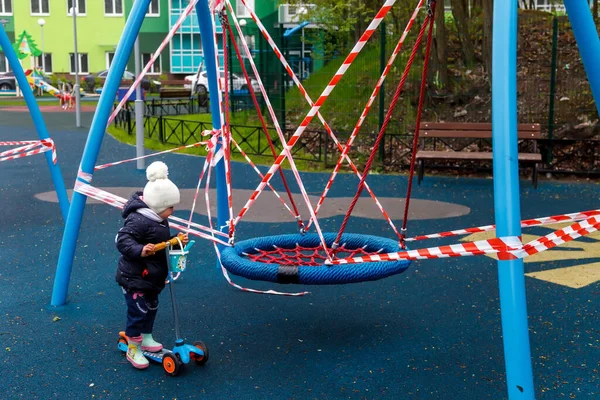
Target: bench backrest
<point>177,82</point>
<point>475,130</point>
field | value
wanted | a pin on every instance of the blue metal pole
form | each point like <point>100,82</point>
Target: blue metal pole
<point>38,120</point>
<point>290,31</point>
<point>92,148</point>
<point>511,278</point>
<point>210,63</point>
<point>588,42</point>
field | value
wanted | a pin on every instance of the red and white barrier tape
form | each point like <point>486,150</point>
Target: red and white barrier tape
<point>286,153</point>
<point>490,246</point>
<point>212,144</point>
<point>505,248</point>
<point>324,95</point>
<point>561,236</point>
<point>303,91</point>
<point>555,219</point>
<point>119,202</point>
<point>365,112</point>
<point>187,11</point>
<point>243,153</point>
<point>28,148</point>
<point>205,133</point>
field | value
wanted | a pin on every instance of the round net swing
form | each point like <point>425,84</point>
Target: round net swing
<point>306,258</point>
<point>297,258</point>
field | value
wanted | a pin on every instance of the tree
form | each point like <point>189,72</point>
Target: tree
<point>25,46</point>
<point>460,11</point>
<point>440,43</point>
<point>488,9</point>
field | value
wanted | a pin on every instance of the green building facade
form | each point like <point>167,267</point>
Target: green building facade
<point>100,24</point>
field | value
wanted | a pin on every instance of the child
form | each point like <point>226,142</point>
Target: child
<point>142,272</point>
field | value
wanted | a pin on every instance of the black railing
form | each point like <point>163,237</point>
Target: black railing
<point>561,156</point>
<point>170,106</point>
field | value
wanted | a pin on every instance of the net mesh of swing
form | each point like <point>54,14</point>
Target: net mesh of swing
<point>301,255</point>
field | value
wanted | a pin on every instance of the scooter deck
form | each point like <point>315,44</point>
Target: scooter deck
<point>155,356</point>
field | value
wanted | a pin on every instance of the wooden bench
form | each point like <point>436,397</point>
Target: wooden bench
<point>174,93</point>
<point>442,132</point>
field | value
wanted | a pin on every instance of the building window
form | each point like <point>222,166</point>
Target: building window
<point>113,7</point>
<point>40,7</point>
<point>155,69</point>
<point>5,7</point>
<point>83,63</point>
<point>240,9</point>
<point>80,4</point>
<point>154,9</point>
<point>4,65</point>
<point>249,41</point>
<point>110,56</point>
<point>45,62</point>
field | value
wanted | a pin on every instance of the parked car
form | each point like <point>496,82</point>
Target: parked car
<point>7,81</point>
<point>98,79</point>
<point>201,86</point>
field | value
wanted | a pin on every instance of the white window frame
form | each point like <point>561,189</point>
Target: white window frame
<point>152,71</point>
<point>239,6</point>
<point>3,7</point>
<point>79,55</point>
<point>149,13</point>
<point>114,7</point>
<point>41,13</point>
<point>8,68</point>
<point>77,12</point>
<point>107,55</point>
<point>44,65</point>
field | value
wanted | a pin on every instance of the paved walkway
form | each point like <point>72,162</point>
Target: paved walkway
<point>431,333</point>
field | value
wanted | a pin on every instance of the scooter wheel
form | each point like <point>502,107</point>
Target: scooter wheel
<point>200,360</point>
<point>171,364</point>
<point>122,340</point>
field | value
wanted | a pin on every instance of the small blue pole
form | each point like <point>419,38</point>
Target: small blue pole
<point>511,278</point>
<point>290,31</point>
<point>588,42</point>
<point>92,148</point>
<point>210,63</point>
<point>38,120</point>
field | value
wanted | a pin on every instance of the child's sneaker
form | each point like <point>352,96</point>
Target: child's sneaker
<point>134,353</point>
<point>149,344</point>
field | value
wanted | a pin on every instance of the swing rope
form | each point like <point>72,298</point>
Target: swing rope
<point>262,121</point>
<point>344,150</point>
<point>430,16</point>
<point>428,22</point>
<point>288,145</point>
<point>227,126</point>
<point>278,53</point>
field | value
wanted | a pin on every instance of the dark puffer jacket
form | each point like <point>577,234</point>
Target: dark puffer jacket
<point>136,273</point>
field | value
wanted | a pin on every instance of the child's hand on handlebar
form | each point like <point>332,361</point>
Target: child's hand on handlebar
<point>148,250</point>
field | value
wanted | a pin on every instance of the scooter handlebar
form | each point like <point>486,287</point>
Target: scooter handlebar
<point>172,242</point>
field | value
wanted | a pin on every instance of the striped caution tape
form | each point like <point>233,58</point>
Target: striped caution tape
<point>508,248</point>
<point>28,148</point>
<point>119,202</point>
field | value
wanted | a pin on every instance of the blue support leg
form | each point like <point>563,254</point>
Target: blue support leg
<point>207,37</point>
<point>38,121</point>
<point>511,277</point>
<point>92,148</point>
<point>588,42</point>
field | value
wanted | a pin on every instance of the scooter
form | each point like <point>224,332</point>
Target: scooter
<point>182,353</point>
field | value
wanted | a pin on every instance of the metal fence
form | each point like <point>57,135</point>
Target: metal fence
<point>552,91</point>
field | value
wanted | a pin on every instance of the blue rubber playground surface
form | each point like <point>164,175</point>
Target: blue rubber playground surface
<point>433,332</point>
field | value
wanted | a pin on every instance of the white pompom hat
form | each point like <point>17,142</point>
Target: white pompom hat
<point>160,193</point>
